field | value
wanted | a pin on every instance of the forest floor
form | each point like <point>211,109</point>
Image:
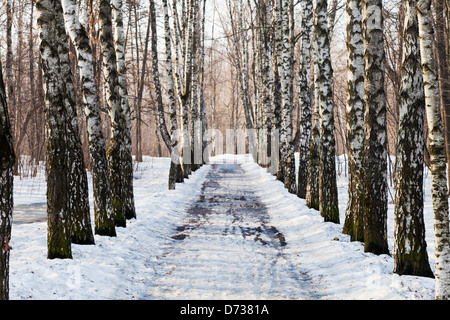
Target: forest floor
<point>231,231</point>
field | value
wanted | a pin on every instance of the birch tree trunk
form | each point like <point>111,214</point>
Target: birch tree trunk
<point>266,52</point>
<point>242,76</point>
<point>104,221</point>
<point>155,68</point>
<point>328,200</point>
<point>353,224</point>
<point>9,78</point>
<point>278,28</point>
<point>58,235</point>
<point>443,70</point>
<point>375,143</point>
<point>81,230</point>
<point>117,153</point>
<point>7,159</point>
<point>194,119</point>
<point>437,152</point>
<point>184,81</point>
<point>175,172</point>
<point>129,210</point>
<point>202,107</point>
<point>305,97</point>
<point>410,248</point>
<point>312,186</point>
<point>286,77</point>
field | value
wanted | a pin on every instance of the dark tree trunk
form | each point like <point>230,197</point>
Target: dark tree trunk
<point>58,188</point>
<point>7,159</point>
<point>375,143</point>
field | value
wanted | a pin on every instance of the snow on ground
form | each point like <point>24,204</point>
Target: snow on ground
<point>123,267</point>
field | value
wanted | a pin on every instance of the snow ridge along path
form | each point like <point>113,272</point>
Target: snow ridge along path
<point>227,247</point>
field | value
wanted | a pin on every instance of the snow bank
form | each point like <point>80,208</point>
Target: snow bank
<point>340,266</point>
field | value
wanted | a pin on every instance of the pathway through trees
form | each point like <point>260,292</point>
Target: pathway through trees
<point>227,248</point>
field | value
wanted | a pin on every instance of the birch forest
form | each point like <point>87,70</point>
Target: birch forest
<point>90,88</point>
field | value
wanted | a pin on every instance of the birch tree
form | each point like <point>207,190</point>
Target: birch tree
<point>282,16</point>
<point>202,107</point>
<point>194,119</point>
<point>58,235</point>
<point>104,221</point>
<point>183,44</point>
<point>7,159</point>
<point>353,224</point>
<point>241,66</point>
<point>328,200</point>
<point>312,186</point>
<point>156,80</point>
<point>305,96</point>
<point>117,151</point>
<point>410,249</point>
<point>443,67</point>
<point>81,229</point>
<point>127,199</point>
<point>375,142</point>
<point>175,172</point>
<point>437,151</point>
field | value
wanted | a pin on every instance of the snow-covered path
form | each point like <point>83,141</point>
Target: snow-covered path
<point>227,247</point>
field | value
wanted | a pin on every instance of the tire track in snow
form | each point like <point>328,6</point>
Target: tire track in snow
<point>227,248</point>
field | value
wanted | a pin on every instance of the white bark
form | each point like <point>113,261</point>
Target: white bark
<point>353,225</point>
<point>175,173</point>
<point>81,230</point>
<point>305,97</point>
<point>328,200</point>
<point>117,153</point>
<point>58,231</point>
<point>437,152</point>
<point>410,248</point>
<point>375,142</point>
<point>119,40</point>
<point>104,222</point>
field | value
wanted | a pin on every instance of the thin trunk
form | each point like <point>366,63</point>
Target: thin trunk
<point>141,92</point>
<point>162,122</point>
<point>312,186</point>
<point>194,119</point>
<point>277,22</point>
<point>175,172</point>
<point>286,77</point>
<point>443,71</point>
<point>305,97</point>
<point>203,115</point>
<point>437,152</point>
<point>117,148</point>
<point>129,210</point>
<point>184,83</point>
<point>242,72</point>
